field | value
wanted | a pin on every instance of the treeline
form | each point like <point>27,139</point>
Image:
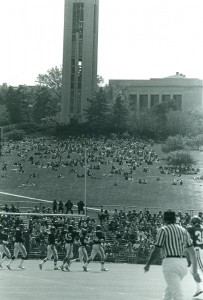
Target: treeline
<point>37,108</point>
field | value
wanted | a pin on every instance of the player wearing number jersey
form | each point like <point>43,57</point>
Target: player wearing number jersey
<point>196,234</point>
<point>18,247</point>
<point>97,248</point>
<point>51,249</point>
<point>3,245</point>
<point>69,238</point>
<point>83,240</point>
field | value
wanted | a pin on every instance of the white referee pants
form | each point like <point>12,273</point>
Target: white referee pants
<point>174,269</point>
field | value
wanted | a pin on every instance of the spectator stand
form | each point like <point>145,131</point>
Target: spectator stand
<point>129,232</point>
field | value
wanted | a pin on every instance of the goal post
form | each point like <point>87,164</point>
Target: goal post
<point>1,140</point>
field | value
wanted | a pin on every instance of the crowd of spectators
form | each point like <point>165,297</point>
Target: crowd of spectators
<point>123,156</point>
<point>129,234</point>
<point>120,159</point>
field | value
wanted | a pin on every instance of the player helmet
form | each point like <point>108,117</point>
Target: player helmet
<point>52,229</point>
<point>70,228</point>
<point>195,220</point>
<point>98,227</point>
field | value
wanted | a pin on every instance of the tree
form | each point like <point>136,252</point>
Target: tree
<point>43,106</point>
<point>100,80</point>
<point>142,124</point>
<point>3,92</point>
<point>178,122</point>
<point>15,135</point>
<point>4,115</point>
<point>13,104</point>
<point>98,111</point>
<point>52,80</point>
<point>180,159</point>
<point>164,107</point>
<point>195,142</point>
<point>160,112</point>
<point>120,113</point>
<point>196,117</point>
<point>173,143</point>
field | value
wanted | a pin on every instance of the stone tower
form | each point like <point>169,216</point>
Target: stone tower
<point>79,77</point>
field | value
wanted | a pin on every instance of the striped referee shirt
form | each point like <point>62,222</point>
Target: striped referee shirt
<point>173,239</point>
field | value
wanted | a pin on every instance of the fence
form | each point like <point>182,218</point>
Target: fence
<point>24,206</point>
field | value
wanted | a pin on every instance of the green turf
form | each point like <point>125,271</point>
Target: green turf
<point>101,190</point>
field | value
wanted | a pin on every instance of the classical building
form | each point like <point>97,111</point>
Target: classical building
<point>188,92</point>
<point>79,58</point>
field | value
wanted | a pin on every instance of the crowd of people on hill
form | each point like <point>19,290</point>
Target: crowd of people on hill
<point>123,156</point>
<point>119,159</point>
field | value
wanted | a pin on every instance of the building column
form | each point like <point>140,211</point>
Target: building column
<point>138,101</point>
<point>149,101</point>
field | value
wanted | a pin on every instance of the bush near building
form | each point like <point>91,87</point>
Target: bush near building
<point>180,159</point>
<point>173,143</point>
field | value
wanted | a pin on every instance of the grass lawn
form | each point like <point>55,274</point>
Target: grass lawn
<point>157,195</point>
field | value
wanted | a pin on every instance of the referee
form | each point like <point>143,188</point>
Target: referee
<point>172,242</point>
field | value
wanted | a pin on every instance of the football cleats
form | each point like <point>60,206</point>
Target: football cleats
<point>195,221</point>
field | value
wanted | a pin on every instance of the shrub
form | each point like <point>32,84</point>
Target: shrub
<point>15,135</point>
<point>173,143</point>
<point>180,159</point>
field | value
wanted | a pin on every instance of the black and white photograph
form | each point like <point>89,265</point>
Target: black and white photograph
<point>101,149</point>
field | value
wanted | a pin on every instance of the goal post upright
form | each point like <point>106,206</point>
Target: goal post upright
<point>85,196</point>
<point>1,141</point>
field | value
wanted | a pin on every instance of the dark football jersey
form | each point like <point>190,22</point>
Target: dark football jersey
<point>98,237</point>
<point>83,240</point>
<point>70,237</point>
<point>1,238</point>
<point>51,238</point>
<point>19,236</point>
<point>196,234</point>
<point>5,237</point>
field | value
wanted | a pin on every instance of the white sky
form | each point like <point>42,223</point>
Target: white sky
<point>138,39</point>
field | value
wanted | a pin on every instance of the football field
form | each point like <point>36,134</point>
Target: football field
<point>122,281</point>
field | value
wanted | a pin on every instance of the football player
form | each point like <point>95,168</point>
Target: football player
<point>196,234</point>
<point>51,249</point>
<point>98,237</point>
<point>18,247</point>
<point>3,244</point>
<point>83,240</point>
<point>69,238</point>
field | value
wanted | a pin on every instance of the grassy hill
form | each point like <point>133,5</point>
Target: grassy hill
<point>100,188</point>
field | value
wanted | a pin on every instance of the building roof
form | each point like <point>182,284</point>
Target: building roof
<point>177,75</point>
